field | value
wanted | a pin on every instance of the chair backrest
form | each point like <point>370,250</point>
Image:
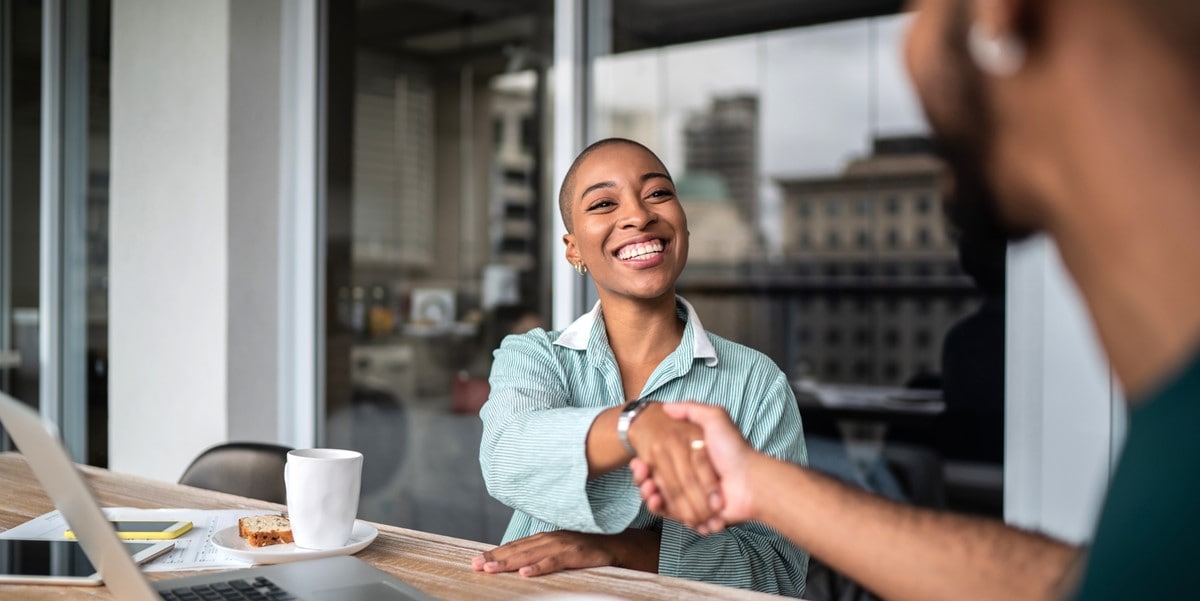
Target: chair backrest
<point>249,469</point>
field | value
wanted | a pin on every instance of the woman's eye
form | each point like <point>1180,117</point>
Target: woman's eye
<point>600,204</point>
<point>661,193</point>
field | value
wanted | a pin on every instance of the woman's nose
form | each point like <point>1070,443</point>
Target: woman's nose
<point>638,215</point>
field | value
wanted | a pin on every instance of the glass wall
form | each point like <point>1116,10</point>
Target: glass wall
<point>814,200</point>
<point>85,219</point>
<point>813,194</point>
<point>436,165</point>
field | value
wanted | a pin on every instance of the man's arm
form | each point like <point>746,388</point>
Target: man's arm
<point>898,551</point>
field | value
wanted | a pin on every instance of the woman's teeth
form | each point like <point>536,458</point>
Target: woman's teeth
<point>634,251</point>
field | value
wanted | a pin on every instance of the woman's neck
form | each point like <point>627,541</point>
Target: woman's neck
<point>641,331</point>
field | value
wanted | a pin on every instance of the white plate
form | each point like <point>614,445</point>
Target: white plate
<point>235,546</point>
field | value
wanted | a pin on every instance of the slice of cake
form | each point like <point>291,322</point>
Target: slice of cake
<point>263,530</point>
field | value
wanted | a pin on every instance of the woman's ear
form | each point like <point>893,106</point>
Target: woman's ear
<point>572,251</point>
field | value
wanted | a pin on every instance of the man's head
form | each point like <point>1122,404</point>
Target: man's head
<point>998,78</point>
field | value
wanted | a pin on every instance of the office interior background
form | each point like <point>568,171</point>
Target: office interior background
<point>311,222</point>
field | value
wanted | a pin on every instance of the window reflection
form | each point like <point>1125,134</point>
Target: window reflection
<point>843,271</point>
<point>434,242</point>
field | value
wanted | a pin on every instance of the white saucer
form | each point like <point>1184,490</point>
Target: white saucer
<point>235,546</point>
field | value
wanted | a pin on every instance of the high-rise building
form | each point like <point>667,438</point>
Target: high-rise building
<point>724,142</point>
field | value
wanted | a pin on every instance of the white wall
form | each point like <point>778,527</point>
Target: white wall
<point>1064,416</point>
<point>194,230</point>
<point>168,231</point>
<point>254,218</point>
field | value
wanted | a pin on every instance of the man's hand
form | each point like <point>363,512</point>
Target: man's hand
<point>675,451</point>
<point>550,552</point>
<point>727,453</point>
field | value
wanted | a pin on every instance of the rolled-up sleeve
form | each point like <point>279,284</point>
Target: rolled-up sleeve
<point>534,447</point>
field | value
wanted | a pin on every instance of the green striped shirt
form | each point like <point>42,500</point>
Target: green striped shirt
<point>548,387</point>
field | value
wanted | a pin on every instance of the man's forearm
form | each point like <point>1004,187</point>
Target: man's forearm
<point>903,552</point>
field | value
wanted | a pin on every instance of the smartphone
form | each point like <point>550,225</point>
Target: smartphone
<point>147,530</point>
<point>27,561</point>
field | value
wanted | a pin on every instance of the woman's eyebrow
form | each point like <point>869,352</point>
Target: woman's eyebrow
<point>655,175</point>
<point>598,186</point>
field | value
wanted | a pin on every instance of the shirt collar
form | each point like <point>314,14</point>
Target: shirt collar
<point>577,335</point>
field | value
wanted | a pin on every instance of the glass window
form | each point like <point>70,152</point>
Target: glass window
<point>833,207</point>
<point>437,202</point>
<point>924,204</point>
<point>863,239</point>
<point>21,105</point>
<point>817,159</point>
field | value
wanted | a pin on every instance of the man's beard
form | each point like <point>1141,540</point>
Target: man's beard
<point>971,205</point>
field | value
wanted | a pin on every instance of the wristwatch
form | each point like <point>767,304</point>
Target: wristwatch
<point>631,410</point>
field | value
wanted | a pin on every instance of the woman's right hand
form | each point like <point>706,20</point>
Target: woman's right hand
<point>732,457</point>
<point>674,451</point>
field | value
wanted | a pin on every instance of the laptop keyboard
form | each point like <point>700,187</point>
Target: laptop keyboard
<point>259,589</point>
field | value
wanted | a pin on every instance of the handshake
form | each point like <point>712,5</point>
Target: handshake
<point>693,466</point>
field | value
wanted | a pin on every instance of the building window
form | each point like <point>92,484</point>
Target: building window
<point>832,207</point>
<point>862,337</point>
<point>891,338</point>
<point>891,371</point>
<point>863,207</point>
<point>833,369</point>
<point>862,369</point>
<point>833,338</point>
<point>924,204</point>
<point>922,339</point>
<point>893,205</point>
<point>864,239</point>
<point>923,238</point>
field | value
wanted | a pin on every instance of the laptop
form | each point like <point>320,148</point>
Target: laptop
<point>339,578</point>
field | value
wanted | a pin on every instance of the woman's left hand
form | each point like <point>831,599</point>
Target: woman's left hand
<point>550,552</point>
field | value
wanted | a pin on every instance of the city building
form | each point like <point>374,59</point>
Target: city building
<point>724,141</point>
<point>881,264</point>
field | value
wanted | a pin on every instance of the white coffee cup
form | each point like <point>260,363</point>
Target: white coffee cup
<point>322,495</point>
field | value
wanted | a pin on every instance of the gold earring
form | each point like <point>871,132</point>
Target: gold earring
<point>581,268</point>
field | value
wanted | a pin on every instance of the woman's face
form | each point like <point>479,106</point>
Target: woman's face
<point>630,230</point>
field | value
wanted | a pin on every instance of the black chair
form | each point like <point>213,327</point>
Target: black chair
<point>249,469</point>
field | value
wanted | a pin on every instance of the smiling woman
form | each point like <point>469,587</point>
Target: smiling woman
<point>569,409</point>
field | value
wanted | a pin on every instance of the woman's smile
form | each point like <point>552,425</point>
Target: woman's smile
<point>642,253</point>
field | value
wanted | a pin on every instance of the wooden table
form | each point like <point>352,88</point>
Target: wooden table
<point>438,565</point>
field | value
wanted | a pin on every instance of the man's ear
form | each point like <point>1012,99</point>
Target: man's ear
<point>572,252</point>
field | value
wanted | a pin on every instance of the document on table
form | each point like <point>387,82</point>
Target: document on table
<point>193,551</point>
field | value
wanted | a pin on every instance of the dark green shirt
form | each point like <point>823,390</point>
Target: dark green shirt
<point>1147,544</point>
